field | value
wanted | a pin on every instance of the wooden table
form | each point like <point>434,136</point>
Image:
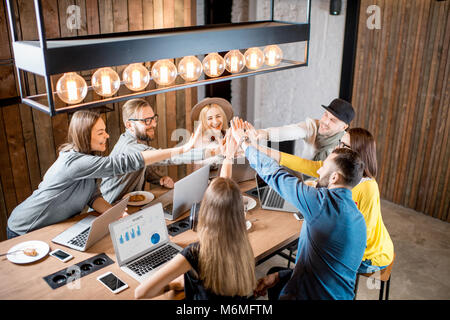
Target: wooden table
<point>271,231</point>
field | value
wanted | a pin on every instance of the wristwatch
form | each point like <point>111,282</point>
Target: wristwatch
<point>244,139</point>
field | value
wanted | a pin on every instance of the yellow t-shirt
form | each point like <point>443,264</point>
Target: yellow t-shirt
<point>380,249</point>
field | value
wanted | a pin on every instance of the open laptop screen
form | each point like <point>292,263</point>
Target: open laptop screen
<point>139,233</point>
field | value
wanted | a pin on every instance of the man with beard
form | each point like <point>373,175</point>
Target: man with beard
<point>333,235</point>
<point>320,136</point>
<point>140,125</point>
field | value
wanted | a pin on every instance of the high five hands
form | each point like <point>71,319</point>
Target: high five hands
<point>239,131</point>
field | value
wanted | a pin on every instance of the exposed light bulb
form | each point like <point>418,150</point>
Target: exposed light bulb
<point>213,65</point>
<point>106,85</point>
<point>164,72</point>
<point>214,68</point>
<point>190,68</point>
<point>105,82</point>
<point>136,77</point>
<point>273,55</point>
<point>254,58</point>
<point>71,88</point>
<point>234,61</point>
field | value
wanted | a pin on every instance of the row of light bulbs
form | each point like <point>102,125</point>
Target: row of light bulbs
<point>72,88</point>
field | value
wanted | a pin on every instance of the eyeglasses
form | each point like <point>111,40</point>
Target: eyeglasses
<point>148,120</point>
<point>343,145</point>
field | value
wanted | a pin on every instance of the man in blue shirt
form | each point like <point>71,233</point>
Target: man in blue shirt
<point>333,236</point>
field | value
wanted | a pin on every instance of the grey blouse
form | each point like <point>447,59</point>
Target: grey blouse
<point>68,186</point>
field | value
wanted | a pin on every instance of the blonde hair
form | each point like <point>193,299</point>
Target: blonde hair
<point>226,259</point>
<point>204,121</point>
<point>133,108</point>
<point>79,133</point>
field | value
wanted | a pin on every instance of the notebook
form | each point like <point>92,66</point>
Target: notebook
<point>141,242</point>
<point>91,229</point>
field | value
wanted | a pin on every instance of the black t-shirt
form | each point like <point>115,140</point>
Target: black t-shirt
<point>193,287</point>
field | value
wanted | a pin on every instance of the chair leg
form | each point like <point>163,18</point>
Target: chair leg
<point>381,291</point>
<point>289,260</point>
<point>387,288</point>
<point>356,286</point>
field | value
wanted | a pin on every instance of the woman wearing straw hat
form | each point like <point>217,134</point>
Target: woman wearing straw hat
<point>213,114</point>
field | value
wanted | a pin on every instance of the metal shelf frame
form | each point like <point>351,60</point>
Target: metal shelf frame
<point>47,57</point>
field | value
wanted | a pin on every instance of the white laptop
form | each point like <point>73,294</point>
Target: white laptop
<point>270,199</point>
<point>186,192</point>
<point>141,242</point>
<point>91,229</point>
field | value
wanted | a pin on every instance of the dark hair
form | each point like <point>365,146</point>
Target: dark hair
<point>79,133</point>
<point>350,166</point>
<point>363,142</point>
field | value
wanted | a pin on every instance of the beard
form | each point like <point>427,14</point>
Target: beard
<point>323,182</point>
<point>323,131</point>
<point>144,135</point>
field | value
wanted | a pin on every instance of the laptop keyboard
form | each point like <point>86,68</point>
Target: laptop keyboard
<point>153,260</point>
<point>275,200</point>
<point>80,240</point>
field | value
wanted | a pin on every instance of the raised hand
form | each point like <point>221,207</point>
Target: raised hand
<point>194,138</point>
<point>230,146</point>
<point>237,129</point>
<point>251,132</point>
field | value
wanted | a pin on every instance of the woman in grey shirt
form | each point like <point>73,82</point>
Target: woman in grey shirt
<point>72,182</point>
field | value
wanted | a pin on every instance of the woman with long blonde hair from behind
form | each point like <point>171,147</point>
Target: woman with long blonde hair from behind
<point>222,264</point>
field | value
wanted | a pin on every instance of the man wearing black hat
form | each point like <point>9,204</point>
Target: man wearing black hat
<point>320,136</point>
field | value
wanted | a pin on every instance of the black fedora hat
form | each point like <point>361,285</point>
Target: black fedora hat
<point>341,109</point>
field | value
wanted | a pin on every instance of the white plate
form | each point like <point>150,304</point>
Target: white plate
<point>251,203</point>
<point>41,248</point>
<point>248,224</point>
<point>148,198</point>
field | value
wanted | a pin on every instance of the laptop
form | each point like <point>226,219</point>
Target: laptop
<point>141,242</point>
<point>270,199</point>
<point>242,171</point>
<point>186,191</point>
<point>91,229</point>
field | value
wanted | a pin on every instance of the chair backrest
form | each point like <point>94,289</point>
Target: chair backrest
<point>386,272</point>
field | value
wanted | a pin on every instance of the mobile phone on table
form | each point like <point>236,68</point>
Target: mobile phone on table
<point>112,282</point>
<point>61,255</point>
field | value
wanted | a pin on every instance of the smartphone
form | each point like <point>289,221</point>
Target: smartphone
<point>112,282</point>
<point>61,255</point>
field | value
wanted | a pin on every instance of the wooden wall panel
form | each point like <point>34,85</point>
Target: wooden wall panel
<point>401,95</point>
<point>29,138</point>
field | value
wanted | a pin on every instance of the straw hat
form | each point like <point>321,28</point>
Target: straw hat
<point>224,104</point>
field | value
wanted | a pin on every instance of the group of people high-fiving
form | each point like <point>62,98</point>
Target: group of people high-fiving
<point>342,234</point>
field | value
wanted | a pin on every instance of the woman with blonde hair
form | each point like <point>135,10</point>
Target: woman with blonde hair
<point>71,182</point>
<point>213,114</point>
<point>221,264</point>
